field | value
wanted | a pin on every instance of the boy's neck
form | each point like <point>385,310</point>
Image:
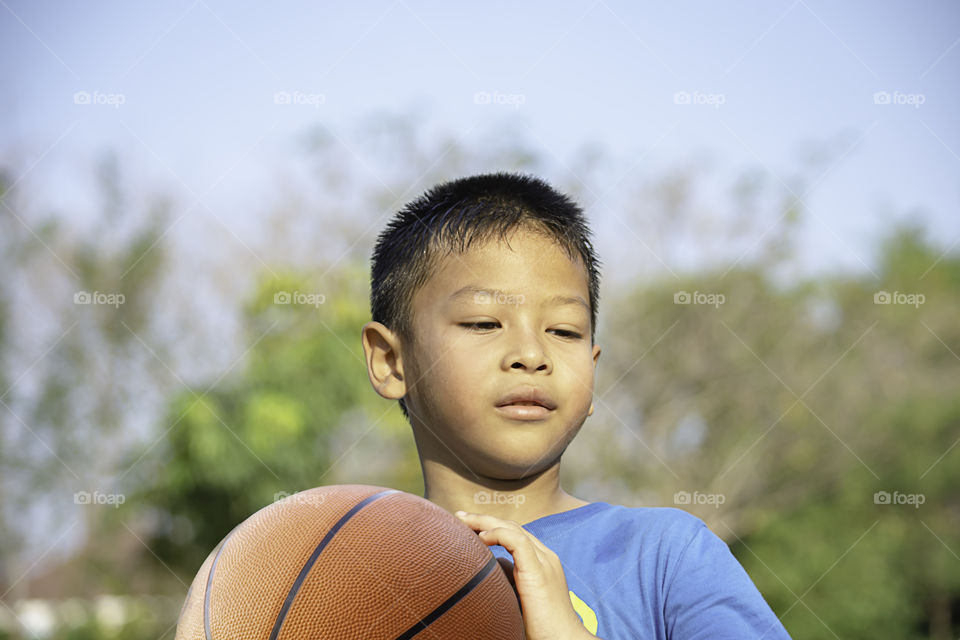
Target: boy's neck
<point>522,501</point>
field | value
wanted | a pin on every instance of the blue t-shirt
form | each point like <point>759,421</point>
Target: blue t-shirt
<point>653,573</point>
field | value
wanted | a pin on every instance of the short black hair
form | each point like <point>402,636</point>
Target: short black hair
<point>453,215</point>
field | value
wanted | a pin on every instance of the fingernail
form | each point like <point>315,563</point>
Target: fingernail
<point>460,514</point>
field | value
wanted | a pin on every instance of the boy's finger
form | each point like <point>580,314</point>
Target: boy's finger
<point>479,521</point>
<point>544,549</point>
<point>525,553</point>
<point>485,521</point>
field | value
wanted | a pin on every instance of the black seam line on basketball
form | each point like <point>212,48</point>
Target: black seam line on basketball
<point>282,616</point>
<point>449,602</point>
<point>206,591</point>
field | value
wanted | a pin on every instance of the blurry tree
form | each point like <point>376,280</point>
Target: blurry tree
<point>8,261</point>
<point>893,539</point>
<point>281,423</point>
<point>70,376</point>
<point>797,402</point>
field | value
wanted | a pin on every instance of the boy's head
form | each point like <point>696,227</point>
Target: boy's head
<point>453,216</point>
<point>496,266</point>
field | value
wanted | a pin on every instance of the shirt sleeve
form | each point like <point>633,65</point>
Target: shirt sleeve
<point>710,596</point>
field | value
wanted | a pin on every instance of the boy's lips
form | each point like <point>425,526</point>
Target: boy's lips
<point>524,411</point>
<point>526,400</point>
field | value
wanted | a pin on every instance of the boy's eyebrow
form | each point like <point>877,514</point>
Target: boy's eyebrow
<point>470,291</point>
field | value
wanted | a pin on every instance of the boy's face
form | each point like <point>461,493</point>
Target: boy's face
<point>494,321</point>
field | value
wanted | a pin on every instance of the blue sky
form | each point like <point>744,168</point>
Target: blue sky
<point>198,81</point>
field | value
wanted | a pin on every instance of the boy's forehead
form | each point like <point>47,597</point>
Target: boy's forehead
<point>485,295</point>
<point>528,261</point>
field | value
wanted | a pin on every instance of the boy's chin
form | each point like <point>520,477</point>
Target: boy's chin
<point>513,467</point>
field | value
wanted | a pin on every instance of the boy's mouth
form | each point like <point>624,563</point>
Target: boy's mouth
<point>524,412</point>
<point>527,396</point>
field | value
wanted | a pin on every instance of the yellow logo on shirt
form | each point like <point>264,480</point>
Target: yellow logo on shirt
<point>587,615</point>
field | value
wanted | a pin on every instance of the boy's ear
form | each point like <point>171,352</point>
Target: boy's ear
<point>381,349</point>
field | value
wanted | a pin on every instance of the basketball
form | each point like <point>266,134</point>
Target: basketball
<point>350,562</point>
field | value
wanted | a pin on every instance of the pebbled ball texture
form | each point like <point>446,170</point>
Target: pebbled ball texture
<point>350,562</point>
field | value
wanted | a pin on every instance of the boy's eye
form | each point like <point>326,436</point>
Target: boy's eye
<point>480,326</point>
<point>491,325</point>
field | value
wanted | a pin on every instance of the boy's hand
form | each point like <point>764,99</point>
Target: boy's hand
<point>537,576</point>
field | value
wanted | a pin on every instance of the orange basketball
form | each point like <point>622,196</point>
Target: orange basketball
<point>350,562</point>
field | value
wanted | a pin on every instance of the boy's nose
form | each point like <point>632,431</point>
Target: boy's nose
<point>528,354</point>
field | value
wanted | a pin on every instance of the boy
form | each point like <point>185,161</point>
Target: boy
<point>484,303</point>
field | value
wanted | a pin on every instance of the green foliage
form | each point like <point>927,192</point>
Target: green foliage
<point>113,618</point>
<point>279,422</point>
<point>811,398</point>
